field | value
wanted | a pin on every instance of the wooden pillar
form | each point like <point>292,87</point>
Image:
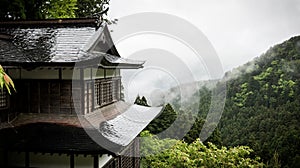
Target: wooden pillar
<point>93,91</point>
<point>39,97</point>
<point>28,97</point>
<point>120,89</point>
<point>96,161</point>
<point>88,98</point>
<point>72,161</point>
<point>93,94</point>
<point>27,159</point>
<point>5,158</point>
<point>82,91</point>
<point>60,74</point>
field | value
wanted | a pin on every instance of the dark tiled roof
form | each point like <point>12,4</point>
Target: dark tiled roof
<point>109,61</point>
<point>50,42</point>
<point>107,130</point>
<point>45,44</point>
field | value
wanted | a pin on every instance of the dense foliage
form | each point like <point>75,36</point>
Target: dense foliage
<point>141,101</point>
<point>163,121</point>
<point>263,105</point>
<point>172,153</point>
<point>43,9</point>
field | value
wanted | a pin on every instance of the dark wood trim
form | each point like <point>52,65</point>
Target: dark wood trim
<point>82,91</point>
<point>5,158</point>
<point>72,161</point>
<point>48,97</point>
<point>60,74</point>
<point>120,89</point>
<point>39,97</point>
<point>20,74</point>
<point>93,94</point>
<point>120,160</point>
<point>28,97</point>
<point>91,74</point>
<point>27,159</point>
<point>88,97</point>
<point>96,161</point>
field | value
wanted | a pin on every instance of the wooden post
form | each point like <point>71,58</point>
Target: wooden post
<point>93,94</point>
<point>96,161</point>
<point>39,97</point>
<point>72,161</point>
<point>60,74</point>
<point>82,91</point>
<point>27,159</point>
<point>5,158</point>
<point>88,98</point>
<point>28,97</point>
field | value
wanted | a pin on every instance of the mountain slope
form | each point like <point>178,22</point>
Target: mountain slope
<point>263,105</point>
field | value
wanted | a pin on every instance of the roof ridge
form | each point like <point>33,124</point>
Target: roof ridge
<point>63,22</point>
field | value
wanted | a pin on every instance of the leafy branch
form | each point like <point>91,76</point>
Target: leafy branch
<point>6,81</point>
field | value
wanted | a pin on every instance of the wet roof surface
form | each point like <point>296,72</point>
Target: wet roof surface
<point>44,44</point>
<point>107,130</point>
<point>126,126</point>
<point>63,44</point>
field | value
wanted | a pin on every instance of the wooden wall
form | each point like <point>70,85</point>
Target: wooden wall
<point>46,96</point>
<point>126,158</point>
<point>60,96</point>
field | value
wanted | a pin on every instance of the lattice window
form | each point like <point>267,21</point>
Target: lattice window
<point>3,99</point>
<point>106,91</point>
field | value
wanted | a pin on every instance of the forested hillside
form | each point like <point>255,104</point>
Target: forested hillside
<point>263,105</point>
<point>262,109</point>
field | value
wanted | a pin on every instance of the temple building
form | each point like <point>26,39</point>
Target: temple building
<point>67,110</point>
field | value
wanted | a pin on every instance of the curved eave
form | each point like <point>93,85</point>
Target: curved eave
<point>125,127</point>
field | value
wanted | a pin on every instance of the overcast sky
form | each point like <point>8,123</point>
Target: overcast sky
<point>239,30</point>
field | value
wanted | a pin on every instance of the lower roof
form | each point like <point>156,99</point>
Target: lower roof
<point>106,131</point>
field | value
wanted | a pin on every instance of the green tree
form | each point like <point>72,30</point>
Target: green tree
<point>43,9</point>
<point>6,81</point>
<point>59,9</point>
<point>88,8</point>
<point>141,101</point>
<point>163,121</point>
<point>183,155</point>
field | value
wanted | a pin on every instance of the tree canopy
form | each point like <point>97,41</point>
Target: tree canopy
<point>262,106</point>
<point>49,9</point>
<point>180,154</point>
